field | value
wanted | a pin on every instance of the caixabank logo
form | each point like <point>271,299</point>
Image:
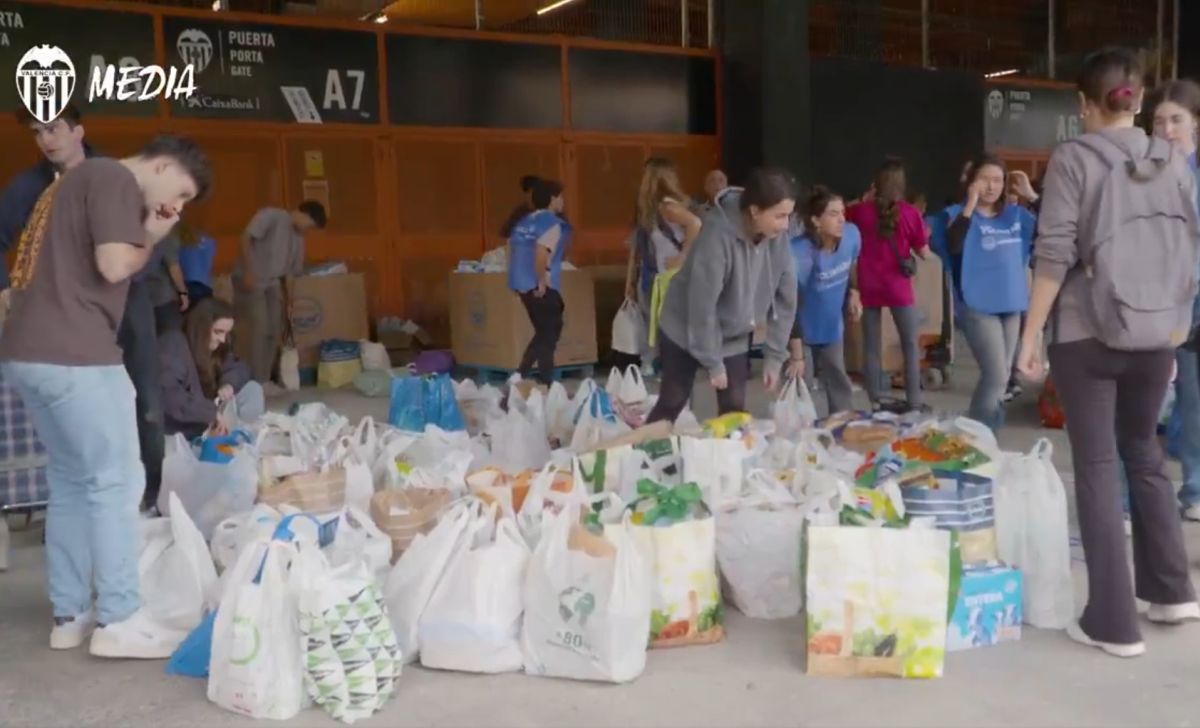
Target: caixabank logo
<point>46,82</point>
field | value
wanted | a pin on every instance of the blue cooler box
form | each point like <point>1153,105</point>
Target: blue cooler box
<point>988,610</point>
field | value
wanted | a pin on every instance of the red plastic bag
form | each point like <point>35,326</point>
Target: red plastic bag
<point>1049,408</point>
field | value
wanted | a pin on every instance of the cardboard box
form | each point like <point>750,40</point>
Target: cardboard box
<point>928,286</point>
<point>490,328</point>
<point>326,307</point>
<point>988,610</point>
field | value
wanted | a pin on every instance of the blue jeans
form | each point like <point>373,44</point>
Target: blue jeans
<point>993,342</point>
<point>85,416</point>
<point>1187,399</point>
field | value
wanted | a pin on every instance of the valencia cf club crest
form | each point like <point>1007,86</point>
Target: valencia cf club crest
<point>45,81</point>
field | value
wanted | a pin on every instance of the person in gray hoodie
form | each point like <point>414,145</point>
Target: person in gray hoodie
<point>199,371</point>
<point>1102,240</point>
<point>738,276</point>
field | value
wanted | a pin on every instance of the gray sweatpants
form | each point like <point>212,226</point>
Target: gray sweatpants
<point>260,321</point>
<point>907,323</point>
<point>829,361</point>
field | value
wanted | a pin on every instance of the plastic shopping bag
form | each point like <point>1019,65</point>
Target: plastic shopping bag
<point>232,535</point>
<point>716,465</point>
<point>758,550</point>
<point>560,422</point>
<point>374,356</point>
<point>209,491</point>
<point>633,387</point>
<point>1032,534</point>
<point>794,410</point>
<point>473,620</point>
<point>629,330</point>
<point>587,604</point>
<point>519,443</point>
<point>416,574</point>
<point>596,423</point>
<point>351,657</point>
<point>257,666</point>
<point>176,574</point>
<point>358,540</point>
<point>420,401</point>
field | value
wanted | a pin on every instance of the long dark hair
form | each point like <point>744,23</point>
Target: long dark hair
<point>197,328</point>
<point>818,201</point>
<point>1184,92</point>
<point>987,159</point>
<point>890,187</point>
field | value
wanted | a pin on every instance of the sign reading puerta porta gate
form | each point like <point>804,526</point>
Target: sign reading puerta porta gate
<point>268,72</point>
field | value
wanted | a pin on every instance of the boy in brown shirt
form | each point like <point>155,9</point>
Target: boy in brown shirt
<point>89,232</point>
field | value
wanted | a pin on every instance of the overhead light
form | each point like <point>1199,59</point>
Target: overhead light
<point>381,18</point>
<point>554,6</point>
<point>219,5</point>
<point>1005,72</point>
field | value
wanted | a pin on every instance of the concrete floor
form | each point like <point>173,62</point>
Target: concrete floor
<point>753,678</point>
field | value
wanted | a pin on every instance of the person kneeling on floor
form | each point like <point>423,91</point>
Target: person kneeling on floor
<point>200,372</point>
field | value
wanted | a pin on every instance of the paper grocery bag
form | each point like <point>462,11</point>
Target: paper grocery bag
<point>404,513</point>
<point>310,492</point>
<point>876,601</point>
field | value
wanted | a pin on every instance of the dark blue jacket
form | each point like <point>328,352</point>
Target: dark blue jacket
<point>16,205</point>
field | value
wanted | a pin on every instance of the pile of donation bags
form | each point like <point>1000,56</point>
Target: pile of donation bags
<point>551,534</point>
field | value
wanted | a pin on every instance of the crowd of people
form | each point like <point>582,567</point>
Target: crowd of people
<point>1100,269</point>
<point>1102,266</point>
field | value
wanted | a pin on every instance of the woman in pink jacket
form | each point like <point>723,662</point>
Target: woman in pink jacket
<point>892,233</point>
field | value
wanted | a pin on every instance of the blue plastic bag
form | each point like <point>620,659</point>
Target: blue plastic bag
<point>220,448</point>
<point>417,402</point>
<point>192,656</point>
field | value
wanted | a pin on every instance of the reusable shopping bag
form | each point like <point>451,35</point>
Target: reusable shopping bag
<point>587,604</point>
<point>877,601</point>
<point>794,410</point>
<point>681,552</point>
<point>351,658</point>
<point>404,513</point>
<point>1032,535</point>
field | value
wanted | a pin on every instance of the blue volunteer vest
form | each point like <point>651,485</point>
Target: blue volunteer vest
<point>823,277</point>
<point>993,276</point>
<point>522,250</point>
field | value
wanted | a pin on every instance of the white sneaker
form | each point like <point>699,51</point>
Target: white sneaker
<point>70,632</point>
<point>1075,632</point>
<point>1192,512</point>
<point>138,637</point>
<point>1173,613</point>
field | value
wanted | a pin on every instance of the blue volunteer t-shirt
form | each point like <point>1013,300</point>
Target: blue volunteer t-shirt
<point>522,250</point>
<point>992,274</point>
<point>822,279</point>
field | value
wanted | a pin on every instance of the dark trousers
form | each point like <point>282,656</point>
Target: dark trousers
<point>1099,386</point>
<point>138,339</point>
<point>679,370</point>
<point>546,315</point>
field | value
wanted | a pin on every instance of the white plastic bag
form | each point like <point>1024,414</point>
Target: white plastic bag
<point>629,330</point>
<point>519,443</point>
<point>716,465</point>
<point>234,534</point>
<point>633,387</point>
<point>257,666</point>
<point>473,620</point>
<point>359,540</point>
<point>794,410</point>
<point>1032,534</point>
<point>175,571</point>
<point>594,426</point>
<point>560,420</point>
<point>416,574</point>
<point>289,368</point>
<point>587,615</point>
<point>614,384</point>
<point>374,356</point>
<point>210,492</point>
<point>758,550</point>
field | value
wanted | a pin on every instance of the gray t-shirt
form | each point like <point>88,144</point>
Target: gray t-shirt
<point>276,248</point>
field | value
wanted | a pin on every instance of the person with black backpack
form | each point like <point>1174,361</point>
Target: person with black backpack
<point>1115,276</point>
